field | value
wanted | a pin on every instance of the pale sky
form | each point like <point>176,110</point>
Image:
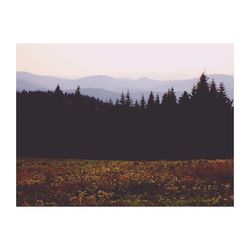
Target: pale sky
<point>158,61</point>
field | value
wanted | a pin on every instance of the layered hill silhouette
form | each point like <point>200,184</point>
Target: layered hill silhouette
<point>105,87</point>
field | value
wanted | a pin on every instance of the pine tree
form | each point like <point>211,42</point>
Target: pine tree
<point>77,101</point>
<point>202,85</point>
<point>151,101</point>
<point>78,92</point>
<point>213,88</point>
<point>194,91</point>
<point>117,103</point>
<point>136,106</point>
<point>110,102</point>
<point>213,93</point>
<point>184,99</point>
<point>142,103</point>
<point>128,100</point>
<point>58,90</point>
<point>122,100</point>
<point>164,99</point>
<point>222,96</point>
<point>171,97</point>
<point>200,93</point>
<point>222,92</point>
<point>157,100</point>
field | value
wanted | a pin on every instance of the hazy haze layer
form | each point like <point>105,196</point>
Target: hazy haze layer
<point>158,61</point>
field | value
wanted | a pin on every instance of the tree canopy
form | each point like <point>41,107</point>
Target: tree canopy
<point>197,125</point>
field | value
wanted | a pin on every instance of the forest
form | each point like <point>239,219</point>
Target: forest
<point>198,125</point>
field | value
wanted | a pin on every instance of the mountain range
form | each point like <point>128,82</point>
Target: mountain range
<point>105,87</point>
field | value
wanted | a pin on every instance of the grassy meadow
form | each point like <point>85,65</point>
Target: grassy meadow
<point>59,182</point>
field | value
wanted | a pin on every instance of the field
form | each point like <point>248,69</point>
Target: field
<point>53,182</point>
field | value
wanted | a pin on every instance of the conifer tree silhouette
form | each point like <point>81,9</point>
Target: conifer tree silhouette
<point>213,93</point>
<point>78,92</point>
<point>58,90</point>
<point>184,99</point>
<point>122,100</point>
<point>200,93</point>
<point>143,103</point>
<point>222,96</point>
<point>171,97</point>
<point>157,100</point>
<point>128,101</point>
<point>110,102</point>
<point>151,101</point>
<point>136,105</point>
<point>194,92</point>
<point>164,101</point>
<point>117,102</point>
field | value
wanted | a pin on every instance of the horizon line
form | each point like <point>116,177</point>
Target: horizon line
<point>127,78</point>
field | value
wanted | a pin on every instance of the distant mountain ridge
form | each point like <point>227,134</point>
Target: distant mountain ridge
<point>105,87</point>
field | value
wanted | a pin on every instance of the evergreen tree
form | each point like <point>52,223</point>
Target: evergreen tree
<point>117,103</point>
<point>213,93</point>
<point>136,106</point>
<point>122,100</point>
<point>200,93</point>
<point>164,99</point>
<point>171,97</point>
<point>184,99</point>
<point>202,85</point>
<point>194,91</point>
<point>110,102</point>
<point>213,88</point>
<point>157,100</point>
<point>77,101</point>
<point>222,96</point>
<point>151,101</point>
<point>142,103</point>
<point>78,92</point>
<point>128,100</point>
<point>58,90</point>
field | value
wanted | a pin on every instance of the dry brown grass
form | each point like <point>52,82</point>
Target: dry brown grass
<point>43,182</point>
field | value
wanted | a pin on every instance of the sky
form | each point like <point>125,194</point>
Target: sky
<point>157,61</point>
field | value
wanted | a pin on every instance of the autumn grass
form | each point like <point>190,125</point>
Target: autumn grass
<point>47,182</point>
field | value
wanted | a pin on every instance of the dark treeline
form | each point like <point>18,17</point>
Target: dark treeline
<point>57,124</point>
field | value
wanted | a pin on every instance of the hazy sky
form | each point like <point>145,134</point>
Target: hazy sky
<point>159,61</point>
